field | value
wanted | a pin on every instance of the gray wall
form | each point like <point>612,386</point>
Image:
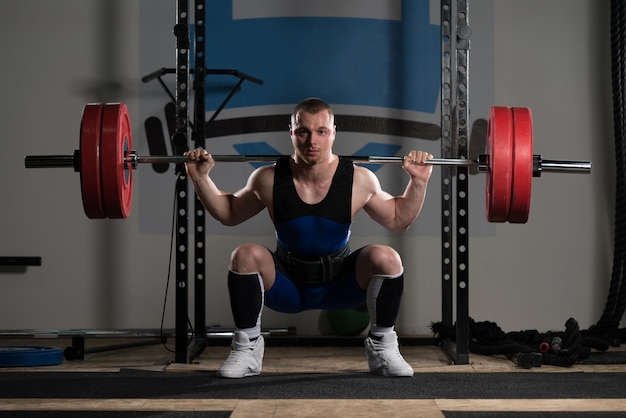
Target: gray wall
<point>552,56</point>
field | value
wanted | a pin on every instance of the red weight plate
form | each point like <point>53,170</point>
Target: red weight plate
<point>522,165</point>
<point>499,151</point>
<point>117,174</point>
<point>90,184</point>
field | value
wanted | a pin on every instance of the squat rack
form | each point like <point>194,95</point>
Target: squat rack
<point>186,350</point>
<point>454,204</point>
<point>454,144</point>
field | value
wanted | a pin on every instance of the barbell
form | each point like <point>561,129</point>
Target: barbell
<point>106,160</point>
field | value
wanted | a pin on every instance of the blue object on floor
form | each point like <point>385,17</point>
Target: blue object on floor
<point>26,356</point>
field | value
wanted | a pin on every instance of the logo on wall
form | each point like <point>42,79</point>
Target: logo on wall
<point>392,61</point>
<point>378,54</point>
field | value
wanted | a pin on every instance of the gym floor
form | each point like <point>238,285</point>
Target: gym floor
<point>306,361</point>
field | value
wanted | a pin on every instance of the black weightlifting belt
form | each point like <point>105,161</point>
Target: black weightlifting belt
<point>312,270</point>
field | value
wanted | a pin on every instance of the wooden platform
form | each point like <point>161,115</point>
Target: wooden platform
<point>288,359</point>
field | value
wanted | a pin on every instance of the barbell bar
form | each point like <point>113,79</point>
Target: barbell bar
<point>541,165</point>
<point>106,160</point>
<point>56,161</point>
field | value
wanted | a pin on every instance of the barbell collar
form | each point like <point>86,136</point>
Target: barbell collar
<point>483,163</point>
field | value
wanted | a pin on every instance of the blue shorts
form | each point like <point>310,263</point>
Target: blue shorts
<point>343,292</point>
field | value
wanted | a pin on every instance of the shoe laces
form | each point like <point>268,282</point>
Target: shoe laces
<point>386,349</point>
<point>237,356</point>
<point>239,352</point>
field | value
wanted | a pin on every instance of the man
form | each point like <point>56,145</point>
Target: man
<point>312,197</point>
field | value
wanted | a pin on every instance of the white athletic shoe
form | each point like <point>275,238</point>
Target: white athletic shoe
<point>384,358</point>
<point>245,359</point>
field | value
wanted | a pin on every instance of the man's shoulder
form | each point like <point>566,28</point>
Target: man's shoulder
<point>265,170</point>
<point>365,178</point>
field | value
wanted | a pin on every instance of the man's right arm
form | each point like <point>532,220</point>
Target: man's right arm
<point>227,208</point>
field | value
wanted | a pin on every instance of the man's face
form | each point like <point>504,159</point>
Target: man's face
<point>313,135</point>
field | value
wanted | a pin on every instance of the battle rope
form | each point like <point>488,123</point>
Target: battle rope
<point>616,299</point>
<point>563,348</point>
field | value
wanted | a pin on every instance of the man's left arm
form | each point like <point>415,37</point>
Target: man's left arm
<point>399,212</point>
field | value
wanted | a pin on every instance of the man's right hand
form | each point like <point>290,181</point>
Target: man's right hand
<point>200,163</point>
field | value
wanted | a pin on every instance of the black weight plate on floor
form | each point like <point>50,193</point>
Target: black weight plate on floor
<point>24,356</point>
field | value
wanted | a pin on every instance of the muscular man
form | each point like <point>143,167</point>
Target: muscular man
<point>312,196</point>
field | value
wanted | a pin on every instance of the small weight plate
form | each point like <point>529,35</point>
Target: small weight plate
<point>90,182</point>
<point>117,173</point>
<point>522,165</point>
<point>499,151</point>
<point>25,356</point>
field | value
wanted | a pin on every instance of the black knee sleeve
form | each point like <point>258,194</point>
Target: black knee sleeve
<point>246,298</point>
<point>387,300</point>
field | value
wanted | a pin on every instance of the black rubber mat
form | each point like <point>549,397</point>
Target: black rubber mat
<point>607,357</point>
<point>199,385</point>
<point>114,414</point>
<point>521,414</point>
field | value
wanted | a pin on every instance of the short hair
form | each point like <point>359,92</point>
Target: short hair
<point>311,105</point>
